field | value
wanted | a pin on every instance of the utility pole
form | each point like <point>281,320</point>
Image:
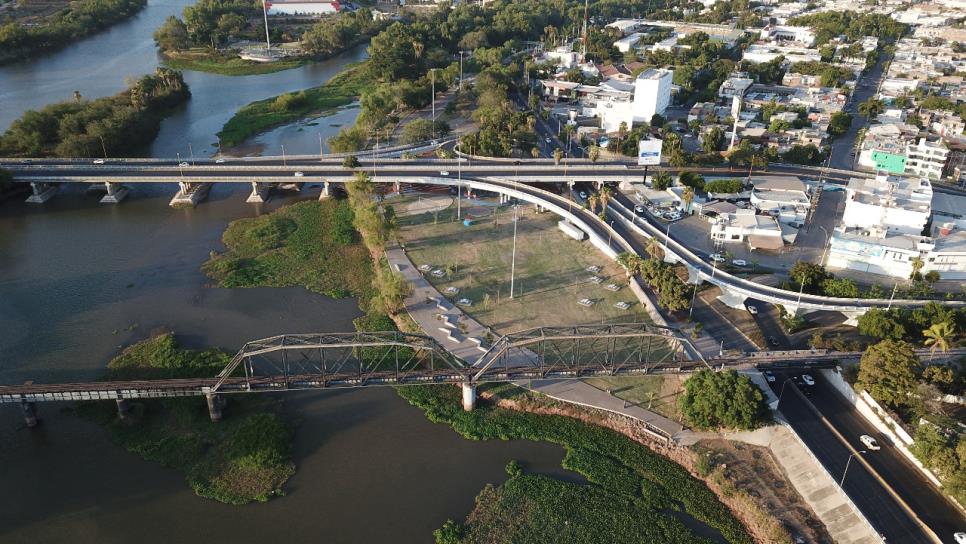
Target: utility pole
<point>433,72</point>
<point>459,186</point>
<point>584,53</point>
<point>461,70</point>
<point>283,157</point>
<point>268,40</point>
<point>513,257</point>
<point>191,153</point>
<point>320,147</point>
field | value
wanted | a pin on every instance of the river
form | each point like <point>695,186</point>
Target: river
<point>99,65</point>
<point>79,280</point>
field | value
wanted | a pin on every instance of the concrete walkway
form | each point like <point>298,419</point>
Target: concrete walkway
<point>464,337</point>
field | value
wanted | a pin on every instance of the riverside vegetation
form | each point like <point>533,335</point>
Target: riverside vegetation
<point>245,458</point>
<point>634,495</point>
<point>19,40</point>
<point>201,39</point>
<point>119,125</point>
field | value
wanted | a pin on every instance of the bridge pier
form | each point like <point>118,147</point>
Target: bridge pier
<point>115,193</point>
<point>29,413</point>
<point>259,193</point>
<point>42,192</point>
<point>215,404</point>
<point>396,186</point>
<point>469,396</point>
<point>189,194</point>
<point>123,409</point>
<point>732,300</point>
<point>325,191</point>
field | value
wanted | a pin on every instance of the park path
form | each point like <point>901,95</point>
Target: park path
<point>462,335</point>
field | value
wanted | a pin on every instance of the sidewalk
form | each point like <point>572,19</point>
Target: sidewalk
<point>462,335</point>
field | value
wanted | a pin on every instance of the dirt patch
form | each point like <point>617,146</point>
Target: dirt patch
<point>426,204</point>
<point>754,470</point>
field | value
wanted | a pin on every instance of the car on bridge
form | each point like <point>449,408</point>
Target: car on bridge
<point>98,161</point>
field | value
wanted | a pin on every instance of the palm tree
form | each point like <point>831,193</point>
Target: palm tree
<point>593,153</point>
<point>418,48</point>
<point>917,265</point>
<point>871,108</point>
<point>606,193</point>
<point>939,336</point>
<point>654,249</point>
<point>621,130</point>
<point>77,96</point>
<point>687,196</point>
<point>592,201</point>
<point>557,155</point>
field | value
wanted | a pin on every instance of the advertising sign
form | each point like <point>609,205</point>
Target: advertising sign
<point>649,152</point>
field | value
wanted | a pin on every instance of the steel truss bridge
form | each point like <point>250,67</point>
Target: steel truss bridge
<point>340,360</point>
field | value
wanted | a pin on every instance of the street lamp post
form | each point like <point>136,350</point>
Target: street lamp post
<point>693,294</point>
<point>461,70</point>
<point>513,257</point>
<point>433,72</point>
<point>667,234</point>
<point>191,153</point>
<point>891,298</point>
<point>320,147</point>
<point>782,392</point>
<point>459,182</point>
<point>844,472</point>
<point>284,163</point>
<point>800,289</point>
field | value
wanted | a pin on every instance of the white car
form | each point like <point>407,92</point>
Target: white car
<point>582,195</point>
<point>639,210</point>
<point>183,164</point>
<point>770,376</point>
<point>960,538</point>
<point>717,257</point>
<point>299,174</point>
<point>98,161</point>
<point>753,310</point>
<point>739,262</point>
<point>219,161</point>
<point>548,140</point>
<point>869,442</point>
<point>808,379</point>
<point>444,172</point>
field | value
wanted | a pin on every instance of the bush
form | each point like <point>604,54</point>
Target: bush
<point>725,186</point>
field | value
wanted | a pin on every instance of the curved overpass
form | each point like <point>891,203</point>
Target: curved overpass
<point>503,176</point>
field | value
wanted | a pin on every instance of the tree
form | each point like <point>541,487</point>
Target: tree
<point>606,193</point>
<point>939,336</point>
<point>351,161</point>
<point>654,249</point>
<point>917,265</point>
<point>557,155</point>
<point>593,153</point>
<point>661,181</point>
<point>932,276</point>
<point>839,123</point>
<point>712,140</point>
<point>808,276</point>
<point>688,197</point>
<point>450,533</point>
<point>172,35</point>
<point>881,324</point>
<point>725,399</point>
<point>871,108</point>
<point>890,372</point>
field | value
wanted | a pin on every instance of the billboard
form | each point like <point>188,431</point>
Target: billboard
<point>649,152</point>
<point>890,162</point>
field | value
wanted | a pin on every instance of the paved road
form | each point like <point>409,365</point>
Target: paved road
<point>866,87</point>
<point>924,499</point>
<point>878,506</point>
<point>770,324</point>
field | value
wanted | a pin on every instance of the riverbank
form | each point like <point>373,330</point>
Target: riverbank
<point>22,39</point>
<point>263,115</point>
<point>637,495</point>
<point>245,458</point>
<point>227,64</point>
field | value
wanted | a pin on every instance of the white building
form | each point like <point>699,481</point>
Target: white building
<point>736,85</point>
<point>782,197</point>
<point>564,56</point>
<point>759,231</point>
<point>926,159</point>
<point>652,93</point>
<point>893,255</point>
<point>627,43</point>
<point>894,204</point>
<point>303,7</point>
<point>779,33</point>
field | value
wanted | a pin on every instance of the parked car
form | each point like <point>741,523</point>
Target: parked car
<point>753,310</point>
<point>808,379</point>
<point>769,376</point>
<point>739,262</point>
<point>869,442</point>
<point>639,210</point>
<point>98,161</point>
<point>717,257</point>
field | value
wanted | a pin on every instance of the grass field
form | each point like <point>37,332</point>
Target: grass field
<point>551,268</point>
<point>656,393</point>
<point>311,244</point>
<point>263,115</point>
<point>229,65</point>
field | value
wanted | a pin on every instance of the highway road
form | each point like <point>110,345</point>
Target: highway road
<point>882,510</point>
<point>876,502</point>
<point>921,495</point>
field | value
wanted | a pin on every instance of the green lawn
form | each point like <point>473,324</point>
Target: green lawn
<point>656,393</point>
<point>263,115</point>
<point>232,65</point>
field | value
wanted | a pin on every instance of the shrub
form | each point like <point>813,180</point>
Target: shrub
<point>723,400</point>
